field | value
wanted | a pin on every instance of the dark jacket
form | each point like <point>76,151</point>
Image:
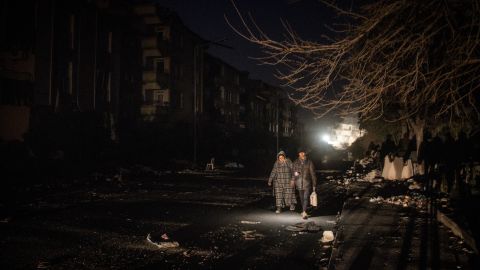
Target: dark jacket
<point>306,174</point>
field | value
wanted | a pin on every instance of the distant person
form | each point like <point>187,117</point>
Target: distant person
<point>387,154</point>
<point>280,178</point>
<point>388,147</point>
<point>304,179</point>
<point>426,159</point>
<point>404,151</point>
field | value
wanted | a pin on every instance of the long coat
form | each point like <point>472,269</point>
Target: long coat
<point>280,178</point>
<point>304,174</point>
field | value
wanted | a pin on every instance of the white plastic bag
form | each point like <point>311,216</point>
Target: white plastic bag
<point>313,199</point>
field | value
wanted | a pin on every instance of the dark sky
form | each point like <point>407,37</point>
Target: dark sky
<point>206,18</point>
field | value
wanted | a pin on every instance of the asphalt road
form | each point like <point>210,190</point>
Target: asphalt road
<point>218,221</point>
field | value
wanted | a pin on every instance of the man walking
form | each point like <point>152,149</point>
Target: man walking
<point>304,179</point>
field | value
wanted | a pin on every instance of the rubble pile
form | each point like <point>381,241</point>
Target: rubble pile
<point>416,200</point>
<point>373,176</point>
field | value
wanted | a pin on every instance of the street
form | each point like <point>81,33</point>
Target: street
<point>218,221</point>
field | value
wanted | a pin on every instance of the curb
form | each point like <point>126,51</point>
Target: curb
<point>338,231</point>
<point>457,230</point>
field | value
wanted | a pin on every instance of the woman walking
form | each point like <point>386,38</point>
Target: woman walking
<point>280,178</point>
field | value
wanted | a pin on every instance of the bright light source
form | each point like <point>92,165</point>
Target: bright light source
<point>326,138</point>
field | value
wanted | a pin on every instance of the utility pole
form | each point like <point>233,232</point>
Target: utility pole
<point>278,129</point>
<point>195,55</point>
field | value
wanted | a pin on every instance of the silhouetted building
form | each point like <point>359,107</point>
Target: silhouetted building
<point>69,58</point>
<point>171,55</point>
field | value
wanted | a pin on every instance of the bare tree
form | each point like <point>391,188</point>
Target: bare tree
<point>401,60</point>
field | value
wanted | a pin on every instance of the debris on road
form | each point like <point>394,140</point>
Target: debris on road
<point>43,265</point>
<point>165,237</point>
<point>163,244</point>
<point>418,201</point>
<point>6,220</point>
<point>327,237</point>
<point>373,176</point>
<point>415,185</point>
<point>249,222</point>
<point>310,226</point>
<point>234,165</point>
<point>252,235</point>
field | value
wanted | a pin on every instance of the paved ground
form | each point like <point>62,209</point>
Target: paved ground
<point>218,221</point>
<point>375,235</point>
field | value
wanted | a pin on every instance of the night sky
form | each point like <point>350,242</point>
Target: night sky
<point>206,17</point>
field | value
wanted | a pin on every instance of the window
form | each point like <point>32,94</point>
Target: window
<point>160,32</point>
<point>159,65</point>
<point>156,97</point>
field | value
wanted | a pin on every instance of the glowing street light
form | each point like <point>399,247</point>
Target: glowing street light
<point>326,138</point>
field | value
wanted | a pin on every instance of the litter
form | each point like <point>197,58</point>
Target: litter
<point>165,237</point>
<point>310,226</point>
<point>373,176</point>
<point>418,201</point>
<point>43,265</point>
<point>327,237</point>
<point>251,235</point>
<point>163,245</point>
<point>6,220</point>
<point>414,185</point>
<point>249,222</point>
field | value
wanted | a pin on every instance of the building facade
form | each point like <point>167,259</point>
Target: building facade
<point>97,70</point>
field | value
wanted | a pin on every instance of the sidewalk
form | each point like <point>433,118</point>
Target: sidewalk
<point>374,234</point>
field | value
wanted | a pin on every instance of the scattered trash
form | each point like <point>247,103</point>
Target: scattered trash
<point>249,222</point>
<point>6,220</point>
<point>327,237</point>
<point>310,226</point>
<point>415,186</point>
<point>234,165</point>
<point>417,200</point>
<point>163,245</point>
<point>251,235</point>
<point>43,265</point>
<point>373,176</point>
